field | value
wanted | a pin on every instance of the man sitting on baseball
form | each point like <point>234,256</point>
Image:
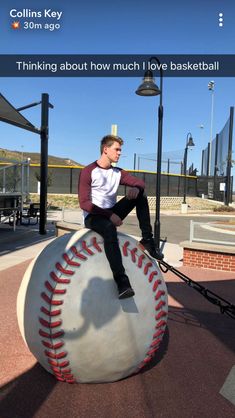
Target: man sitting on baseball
<point>97,191</point>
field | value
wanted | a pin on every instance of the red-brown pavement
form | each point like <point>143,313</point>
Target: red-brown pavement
<point>183,381</point>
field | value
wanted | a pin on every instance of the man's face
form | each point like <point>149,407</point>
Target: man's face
<point>113,153</point>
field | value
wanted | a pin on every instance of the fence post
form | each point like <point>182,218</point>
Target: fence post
<point>191,231</point>
<point>229,162</point>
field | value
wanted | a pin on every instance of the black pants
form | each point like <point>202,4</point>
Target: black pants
<point>108,230</point>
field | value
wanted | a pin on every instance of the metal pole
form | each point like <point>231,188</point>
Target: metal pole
<point>71,181</point>
<point>22,179</point>
<point>4,181</point>
<point>157,224</point>
<point>215,167</point>
<point>202,164</point>
<point>44,163</point>
<point>134,161</point>
<point>208,160</point>
<point>229,162</point>
<point>185,170</point>
<point>28,173</point>
<point>211,134</point>
<point>168,177</point>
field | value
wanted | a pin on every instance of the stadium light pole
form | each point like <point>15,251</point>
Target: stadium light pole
<point>149,88</point>
<point>211,87</point>
<point>189,143</point>
<point>139,140</point>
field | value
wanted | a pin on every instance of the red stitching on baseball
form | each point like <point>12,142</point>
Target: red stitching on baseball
<point>59,378</point>
<point>124,248</point>
<point>160,304</point>
<point>161,324</point>
<point>152,352</point>
<point>68,376</point>
<point>64,375</point>
<point>147,266</point>
<point>161,314</point>
<point>77,254</point>
<point>140,261</point>
<point>151,276</point>
<point>50,313</point>
<point>52,356</point>
<point>69,261</point>
<point>133,254</point>
<point>156,342</point>
<point>54,290</point>
<point>58,356</point>
<point>57,364</point>
<point>154,345</point>
<point>57,279</point>
<point>159,293</point>
<point>51,335</point>
<point>96,245</point>
<point>53,346</point>
<point>47,324</point>
<point>67,371</point>
<point>63,270</point>
<point>54,302</point>
<point>57,370</point>
<point>85,248</point>
<point>158,333</point>
<point>146,360</point>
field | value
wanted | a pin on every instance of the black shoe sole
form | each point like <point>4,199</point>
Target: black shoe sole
<point>159,256</point>
<point>128,293</point>
<point>156,256</point>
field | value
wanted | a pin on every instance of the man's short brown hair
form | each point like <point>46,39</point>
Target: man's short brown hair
<point>108,140</point>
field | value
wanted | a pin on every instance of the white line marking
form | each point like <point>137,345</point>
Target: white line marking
<point>228,388</point>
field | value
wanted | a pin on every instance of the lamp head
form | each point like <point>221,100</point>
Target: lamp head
<point>190,142</point>
<point>211,85</point>
<point>148,86</point>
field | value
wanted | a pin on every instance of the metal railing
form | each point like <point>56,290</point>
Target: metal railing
<point>214,230</point>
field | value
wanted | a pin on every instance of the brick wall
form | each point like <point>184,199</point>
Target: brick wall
<point>208,259</point>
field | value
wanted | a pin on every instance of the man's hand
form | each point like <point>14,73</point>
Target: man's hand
<point>115,219</point>
<point>132,193</point>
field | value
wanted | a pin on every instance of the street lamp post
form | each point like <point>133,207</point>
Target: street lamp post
<point>211,87</point>
<point>189,143</point>
<point>149,88</point>
<point>139,140</point>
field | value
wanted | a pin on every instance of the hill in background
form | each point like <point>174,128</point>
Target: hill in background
<point>35,157</point>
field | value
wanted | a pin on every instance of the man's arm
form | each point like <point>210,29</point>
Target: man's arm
<point>84,195</point>
<point>128,180</point>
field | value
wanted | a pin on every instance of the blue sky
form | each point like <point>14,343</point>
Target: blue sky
<point>85,108</point>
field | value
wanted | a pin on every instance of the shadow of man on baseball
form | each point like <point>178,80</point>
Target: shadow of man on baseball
<point>99,306</point>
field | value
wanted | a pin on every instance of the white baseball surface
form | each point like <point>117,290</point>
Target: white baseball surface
<point>71,318</point>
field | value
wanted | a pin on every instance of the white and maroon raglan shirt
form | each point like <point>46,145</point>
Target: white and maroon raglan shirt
<point>97,188</point>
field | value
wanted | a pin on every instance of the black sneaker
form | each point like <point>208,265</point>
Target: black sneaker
<point>124,288</point>
<point>149,245</point>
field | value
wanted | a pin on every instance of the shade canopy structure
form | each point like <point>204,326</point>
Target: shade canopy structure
<point>9,114</point>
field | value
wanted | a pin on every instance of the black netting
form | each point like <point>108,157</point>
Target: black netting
<point>223,145</point>
<point>218,158</point>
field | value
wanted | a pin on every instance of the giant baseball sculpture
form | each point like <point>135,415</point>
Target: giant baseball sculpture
<point>71,318</point>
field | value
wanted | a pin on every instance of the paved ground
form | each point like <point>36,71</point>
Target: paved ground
<point>175,227</point>
<point>184,381</point>
<point>196,358</point>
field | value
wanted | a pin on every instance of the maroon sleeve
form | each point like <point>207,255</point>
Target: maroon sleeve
<point>129,180</point>
<point>84,193</point>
